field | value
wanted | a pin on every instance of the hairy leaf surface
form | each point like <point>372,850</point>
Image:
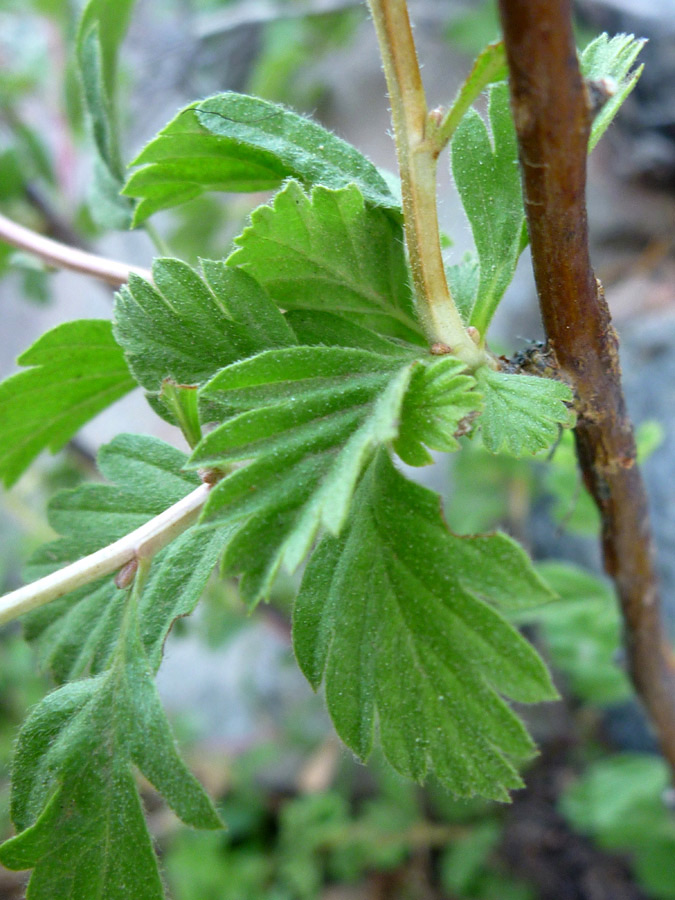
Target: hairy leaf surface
<point>75,801</point>
<point>186,159</point>
<point>232,142</point>
<point>331,252</point>
<point>76,371</point>
<point>522,413</point>
<point>611,59</point>
<point>392,615</point>
<point>309,419</point>
<point>186,327</point>
<point>77,633</point>
<point>441,394</point>
<point>488,180</point>
<point>486,171</point>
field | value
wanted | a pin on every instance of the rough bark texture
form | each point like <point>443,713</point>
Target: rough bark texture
<point>552,116</point>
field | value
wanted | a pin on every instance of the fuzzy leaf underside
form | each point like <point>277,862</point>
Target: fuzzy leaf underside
<point>522,414</point>
<point>76,371</point>
<point>76,634</point>
<point>232,142</point>
<point>392,616</point>
<point>185,326</point>
<point>75,801</point>
<point>330,251</point>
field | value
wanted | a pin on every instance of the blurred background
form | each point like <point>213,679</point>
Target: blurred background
<point>305,820</point>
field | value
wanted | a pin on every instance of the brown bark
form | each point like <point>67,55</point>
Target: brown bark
<point>552,115</point>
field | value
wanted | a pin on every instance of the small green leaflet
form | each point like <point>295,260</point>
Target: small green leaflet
<point>522,413</point>
<point>439,396</point>
<point>611,58</point>
<point>330,251</point>
<point>74,797</point>
<point>232,142</point>
<point>76,634</point>
<point>392,616</point>
<point>100,33</point>
<point>186,327</point>
<point>486,172</point>
<point>488,181</point>
<point>310,419</point>
<point>77,371</point>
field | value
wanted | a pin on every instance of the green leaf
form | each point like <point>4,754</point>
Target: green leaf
<point>331,252</point>
<point>310,419</point>
<point>101,30</point>
<point>77,633</point>
<point>487,176</point>
<point>439,397</point>
<point>522,413</point>
<point>185,159</point>
<point>310,153</point>
<point>77,371</point>
<point>392,614</point>
<point>231,142</point>
<point>74,798</point>
<point>582,631</point>
<point>186,327</point>
<point>611,58</point>
<point>489,66</point>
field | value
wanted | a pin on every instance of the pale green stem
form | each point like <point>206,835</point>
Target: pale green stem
<point>64,257</point>
<point>141,544</point>
<point>417,164</point>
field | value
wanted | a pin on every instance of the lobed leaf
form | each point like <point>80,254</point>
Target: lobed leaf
<point>522,413</point>
<point>440,395</point>
<point>309,419</point>
<point>76,371</point>
<point>392,614</point>
<point>75,801</point>
<point>186,327</point>
<point>330,251</point>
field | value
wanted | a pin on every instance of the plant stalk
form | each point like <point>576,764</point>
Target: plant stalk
<point>417,164</point>
<point>64,257</point>
<point>141,544</point>
<point>553,118</point>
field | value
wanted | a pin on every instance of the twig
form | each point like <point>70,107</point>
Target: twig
<point>417,164</point>
<point>552,117</point>
<point>143,543</point>
<point>64,257</point>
